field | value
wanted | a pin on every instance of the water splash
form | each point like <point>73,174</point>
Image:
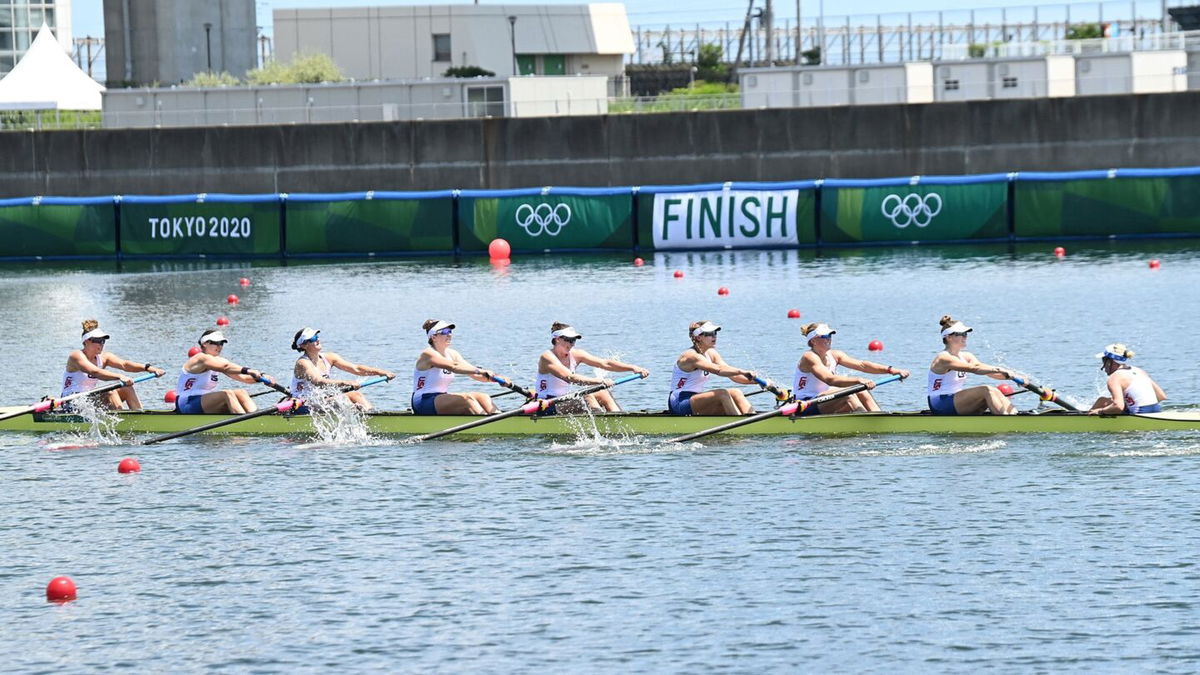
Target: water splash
<point>101,427</point>
<point>336,421</point>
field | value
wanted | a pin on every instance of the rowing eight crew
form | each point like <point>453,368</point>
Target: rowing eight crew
<point>1131,389</point>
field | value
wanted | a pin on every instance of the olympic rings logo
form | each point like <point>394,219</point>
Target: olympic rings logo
<point>543,218</point>
<point>911,209</point>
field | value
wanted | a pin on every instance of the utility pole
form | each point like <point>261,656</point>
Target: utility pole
<point>768,19</point>
<point>86,43</point>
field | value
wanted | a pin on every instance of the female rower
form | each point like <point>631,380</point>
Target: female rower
<point>816,372</point>
<point>556,372</point>
<point>435,370</point>
<point>196,391</point>
<point>88,365</point>
<point>949,370</point>
<point>691,372</point>
<point>1131,390</point>
<point>313,368</point>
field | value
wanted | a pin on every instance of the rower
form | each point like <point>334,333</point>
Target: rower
<point>1131,390</point>
<point>435,370</point>
<point>690,375</point>
<point>948,373</point>
<point>312,369</point>
<point>196,392</point>
<point>556,372</point>
<point>816,372</point>
<point>88,365</point>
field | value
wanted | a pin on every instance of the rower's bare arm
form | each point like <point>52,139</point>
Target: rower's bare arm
<point>97,372</point>
<point>832,379</point>
<point>132,366</point>
<point>870,366</point>
<point>611,365</point>
<point>557,369</point>
<point>1162,395</point>
<point>719,367</point>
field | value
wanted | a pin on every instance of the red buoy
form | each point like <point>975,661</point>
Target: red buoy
<point>1006,389</point>
<point>60,589</point>
<point>678,274</point>
<point>232,299</point>
<point>170,396</point>
<point>638,262</point>
<point>722,291</point>
<point>499,250</point>
<point>1060,252</point>
<point>193,351</point>
<point>243,281</point>
<point>222,321</point>
<point>875,346</point>
<point>1155,264</point>
<point>793,314</point>
<point>129,465</point>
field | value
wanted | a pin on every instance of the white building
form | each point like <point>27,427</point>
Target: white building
<point>1131,73</point>
<point>1035,77</point>
<point>403,42</point>
<point>812,86</point>
<point>19,24</point>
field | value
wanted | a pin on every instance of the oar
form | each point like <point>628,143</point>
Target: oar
<point>286,392</point>
<point>780,394</point>
<point>793,408</point>
<point>1044,393</point>
<point>530,408</point>
<point>281,407</point>
<point>286,405</point>
<point>512,387</point>
<point>51,403</point>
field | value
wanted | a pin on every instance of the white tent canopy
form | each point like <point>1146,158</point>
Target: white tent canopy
<point>47,79</point>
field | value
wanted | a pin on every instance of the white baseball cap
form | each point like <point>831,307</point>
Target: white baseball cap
<point>440,325</point>
<point>95,334</point>
<point>1115,351</point>
<point>706,327</point>
<point>956,327</point>
<point>821,330</point>
<point>567,332</point>
<point>214,337</point>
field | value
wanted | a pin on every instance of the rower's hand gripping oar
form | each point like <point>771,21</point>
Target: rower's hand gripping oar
<point>52,403</point>
<point>779,394</point>
<point>283,407</point>
<point>531,408</point>
<point>512,388</point>
<point>791,409</point>
<point>1045,393</point>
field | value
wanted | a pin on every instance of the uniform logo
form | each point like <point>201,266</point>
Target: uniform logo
<point>543,218</point>
<point>911,209</point>
<point>803,383</point>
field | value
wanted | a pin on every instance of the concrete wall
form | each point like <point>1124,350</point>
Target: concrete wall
<point>1154,130</point>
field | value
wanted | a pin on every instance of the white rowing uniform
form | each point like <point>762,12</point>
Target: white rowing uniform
<point>194,384</point>
<point>551,386</point>
<point>301,387</point>
<point>79,381</point>
<point>947,384</point>
<point>808,385</point>
<point>432,381</point>
<point>1140,392</point>
<point>693,382</point>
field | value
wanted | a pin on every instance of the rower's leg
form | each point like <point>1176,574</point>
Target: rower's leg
<point>604,401</point>
<point>457,404</point>
<point>1102,402</point>
<point>738,399</point>
<point>130,397</point>
<point>998,403</point>
<point>867,401</point>
<point>220,402</point>
<point>972,401</point>
<point>359,400</point>
<point>486,406</point>
<point>244,401</point>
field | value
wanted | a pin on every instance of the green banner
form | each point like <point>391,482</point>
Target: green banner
<point>1168,205</point>
<point>733,218</point>
<point>216,228</point>
<point>46,230</point>
<point>371,226</point>
<point>546,222</point>
<point>914,213</point>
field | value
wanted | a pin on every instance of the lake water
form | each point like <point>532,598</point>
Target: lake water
<point>911,553</point>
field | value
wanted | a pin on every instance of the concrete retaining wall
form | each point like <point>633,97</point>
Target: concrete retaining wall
<point>1156,130</point>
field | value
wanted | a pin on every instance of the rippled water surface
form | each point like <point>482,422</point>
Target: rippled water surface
<point>912,553</point>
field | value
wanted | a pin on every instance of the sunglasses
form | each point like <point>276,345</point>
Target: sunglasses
<point>444,331</point>
<point>215,344</point>
<point>568,339</point>
<point>825,337</point>
<point>711,334</point>
<point>97,341</point>
<point>961,335</point>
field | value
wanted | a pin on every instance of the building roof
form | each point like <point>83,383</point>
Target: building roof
<point>47,79</point>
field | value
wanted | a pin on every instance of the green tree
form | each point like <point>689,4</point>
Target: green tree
<point>221,79</point>
<point>468,71</point>
<point>708,64</point>
<point>302,69</point>
<point>1084,31</point>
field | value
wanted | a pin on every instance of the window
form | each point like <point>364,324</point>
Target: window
<point>554,64</point>
<point>951,85</point>
<point>526,64</point>
<point>485,101</point>
<point>441,47</point>
<point>1009,83</point>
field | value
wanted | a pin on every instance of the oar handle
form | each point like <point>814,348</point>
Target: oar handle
<point>274,385</point>
<point>780,394</point>
<point>370,381</point>
<point>512,386</point>
<point>1045,393</point>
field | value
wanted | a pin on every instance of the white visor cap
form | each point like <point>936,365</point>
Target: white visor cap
<point>214,338</point>
<point>1115,351</point>
<point>706,327</point>
<point>956,327</point>
<point>440,325</point>
<point>95,334</point>
<point>306,335</point>
<point>821,330</point>
<point>567,332</point>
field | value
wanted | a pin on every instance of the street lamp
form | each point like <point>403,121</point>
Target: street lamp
<point>208,43</point>
<point>512,39</point>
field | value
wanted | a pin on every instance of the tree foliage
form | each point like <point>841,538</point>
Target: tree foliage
<point>221,79</point>
<point>1085,31</point>
<point>302,69</point>
<point>468,71</point>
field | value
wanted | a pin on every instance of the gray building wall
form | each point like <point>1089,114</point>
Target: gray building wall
<point>1151,130</point>
<point>164,42</point>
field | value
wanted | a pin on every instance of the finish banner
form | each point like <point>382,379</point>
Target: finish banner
<point>58,230</point>
<point>729,219</point>
<point>191,228</point>
<point>1167,205</point>
<point>914,213</point>
<point>547,222</point>
<point>370,226</point>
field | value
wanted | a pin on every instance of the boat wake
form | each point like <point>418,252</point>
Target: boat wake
<point>882,447</point>
<point>101,429</point>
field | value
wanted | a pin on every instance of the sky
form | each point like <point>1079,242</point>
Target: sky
<point>87,15</point>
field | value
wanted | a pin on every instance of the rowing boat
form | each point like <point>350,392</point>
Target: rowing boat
<point>649,424</point>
